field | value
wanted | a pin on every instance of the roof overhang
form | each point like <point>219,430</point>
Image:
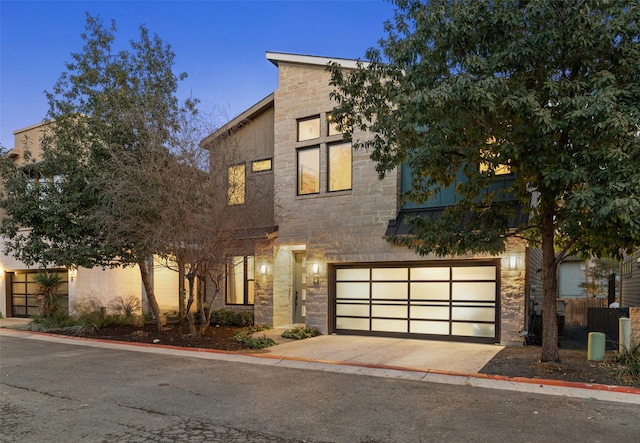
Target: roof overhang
<point>280,57</point>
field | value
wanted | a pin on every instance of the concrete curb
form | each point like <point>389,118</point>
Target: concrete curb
<point>614,393</point>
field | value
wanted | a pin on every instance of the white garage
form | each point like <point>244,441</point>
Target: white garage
<point>435,300</point>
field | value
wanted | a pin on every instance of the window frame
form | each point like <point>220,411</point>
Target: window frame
<point>232,191</point>
<point>299,175</point>
<point>248,279</point>
<point>329,173</point>
<point>258,171</point>
<point>300,121</point>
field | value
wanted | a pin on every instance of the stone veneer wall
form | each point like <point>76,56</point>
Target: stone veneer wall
<point>512,294</point>
<point>347,226</point>
<point>634,315</point>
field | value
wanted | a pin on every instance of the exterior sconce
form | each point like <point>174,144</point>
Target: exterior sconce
<point>316,276</point>
<point>513,261</point>
<point>263,269</point>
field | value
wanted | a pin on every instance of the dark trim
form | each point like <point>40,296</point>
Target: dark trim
<point>399,226</point>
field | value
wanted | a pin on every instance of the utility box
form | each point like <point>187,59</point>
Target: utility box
<point>595,346</point>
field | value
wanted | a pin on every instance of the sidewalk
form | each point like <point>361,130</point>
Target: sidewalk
<point>418,360</point>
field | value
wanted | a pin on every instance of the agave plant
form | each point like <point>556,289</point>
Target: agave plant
<point>47,295</point>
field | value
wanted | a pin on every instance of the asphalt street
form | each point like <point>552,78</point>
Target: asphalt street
<point>58,392</point>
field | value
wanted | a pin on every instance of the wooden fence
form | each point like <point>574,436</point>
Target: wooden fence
<point>575,309</point>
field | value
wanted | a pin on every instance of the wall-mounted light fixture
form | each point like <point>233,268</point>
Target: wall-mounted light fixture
<point>263,269</point>
<point>513,262</point>
<point>316,272</point>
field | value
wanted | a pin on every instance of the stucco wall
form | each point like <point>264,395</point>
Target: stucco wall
<point>99,287</point>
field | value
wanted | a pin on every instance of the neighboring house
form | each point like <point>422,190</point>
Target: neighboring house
<point>81,287</point>
<point>630,281</point>
<point>321,257</point>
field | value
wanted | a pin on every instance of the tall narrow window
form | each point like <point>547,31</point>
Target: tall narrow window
<point>309,171</point>
<point>309,128</point>
<point>236,189</point>
<point>240,281</point>
<point>339,167</point>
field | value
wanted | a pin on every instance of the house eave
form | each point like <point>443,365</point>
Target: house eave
<point>280,57</point>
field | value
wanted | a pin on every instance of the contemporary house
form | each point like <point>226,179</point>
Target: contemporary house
<point>95,287</point>
<point>318,254</point>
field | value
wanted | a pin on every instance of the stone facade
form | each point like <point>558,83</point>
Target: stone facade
<point>334,228</point>
<point>634,315</point>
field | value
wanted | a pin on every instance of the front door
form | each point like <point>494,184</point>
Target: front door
<point>299,287</point>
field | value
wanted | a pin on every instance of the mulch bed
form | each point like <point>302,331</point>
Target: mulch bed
<point>215,337</point>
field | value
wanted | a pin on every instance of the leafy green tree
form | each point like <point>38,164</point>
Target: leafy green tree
<point>107,104</point>
<point>548,88</point>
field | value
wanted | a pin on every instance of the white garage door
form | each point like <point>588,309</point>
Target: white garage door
<point>457,302</point>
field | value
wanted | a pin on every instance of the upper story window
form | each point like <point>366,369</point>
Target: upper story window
<point>339,160</point>
<point>309,128</point>
<point>309,170</point>
<point>500,169</point>
<point>236,184</point>
<point>261,165</point>
<point>627,267</point>
<point>332,127</point>
<point>322,161</point>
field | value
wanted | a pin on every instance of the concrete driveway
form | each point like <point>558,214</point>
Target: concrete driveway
<point>444,356</point>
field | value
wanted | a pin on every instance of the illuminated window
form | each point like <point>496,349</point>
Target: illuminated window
<point>309,128</point>
<point>309,171</point>
<point>236,188</point>
<point>240,281</point>
<point>339,166</point>
<point>498,170</point>
<point>332,126</point>
<point>261,165</point>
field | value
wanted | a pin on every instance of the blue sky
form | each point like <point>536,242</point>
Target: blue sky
<point>220,44</point>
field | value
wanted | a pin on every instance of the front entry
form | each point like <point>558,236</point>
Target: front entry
<point>299,287</point>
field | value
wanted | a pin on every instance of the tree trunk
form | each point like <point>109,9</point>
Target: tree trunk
<point>148,287</point>
<point>550,290</point>
<point>181,290</point>
<point>190,319</point>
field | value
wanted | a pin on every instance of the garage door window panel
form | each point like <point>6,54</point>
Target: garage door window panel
<point>389,290</point>
<point>474,291</point>
<point>430,291</point>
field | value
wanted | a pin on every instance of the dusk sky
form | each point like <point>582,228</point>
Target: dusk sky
<point>221,45</point>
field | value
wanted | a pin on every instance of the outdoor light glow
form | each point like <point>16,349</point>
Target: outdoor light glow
<point>512,262</point>
<point>263,269</point>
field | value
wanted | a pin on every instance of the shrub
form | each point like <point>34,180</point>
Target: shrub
<point>253,343</point>
<point>59,319</point>
<point>626,364</point>
<point>127,307</point>
<point>300,332</point>
<point>224,317</point>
